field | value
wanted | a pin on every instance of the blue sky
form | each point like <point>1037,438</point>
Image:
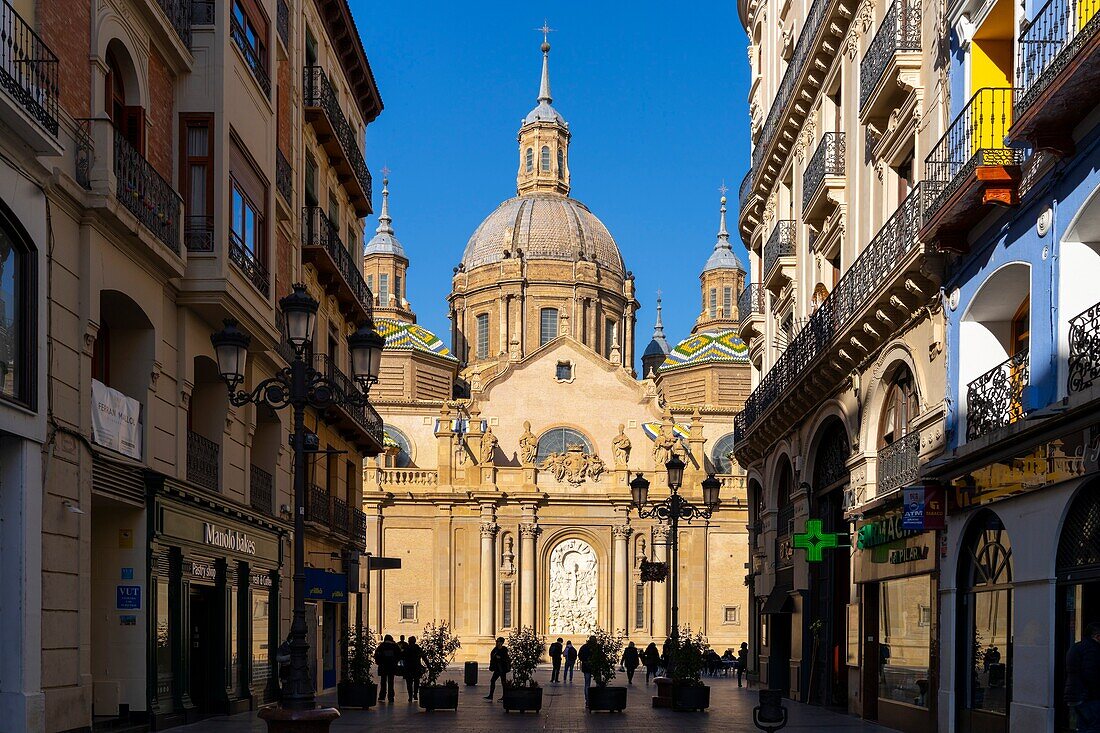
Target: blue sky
<point>654,94</point>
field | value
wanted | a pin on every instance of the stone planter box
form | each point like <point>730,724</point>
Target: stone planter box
<point>356,694</point>
<point>690,697</point>
<point>439,697</point>
<point>523,699</point>
<point>607,699</point>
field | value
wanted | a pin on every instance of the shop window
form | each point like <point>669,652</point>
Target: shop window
<point>904,641</point>
<point>408,612</point>
<point>548,325</point>
<point>261,643</point>
<point>483,336</point>
<point>17,312</point>
<point>560,440</point>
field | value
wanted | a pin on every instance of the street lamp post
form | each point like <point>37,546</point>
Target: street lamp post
<point>672,510</point>
<point>298,386</point>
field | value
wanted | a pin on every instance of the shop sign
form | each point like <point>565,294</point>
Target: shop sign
<point>814,540</point>
<point>116,420</point>
<point>882,531</point>
<point>204,571</point>
<point>228,539</point>
<point>261,579</point>
<point>912,515</point>
<point>908,554</point>
<point>128,597</point>
<point>935,505</point>
<point>321,585</point>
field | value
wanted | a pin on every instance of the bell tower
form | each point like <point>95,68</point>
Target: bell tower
<point>544,140</point>
<point>721,281</point>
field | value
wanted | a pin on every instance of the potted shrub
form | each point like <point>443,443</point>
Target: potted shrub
<point>688,690</point>
<point>439,644</point>
<point>525,649</point>
<point>357,689</point>
<point>602,664</point>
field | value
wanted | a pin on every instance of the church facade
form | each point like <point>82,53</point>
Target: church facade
<point>504,489</point>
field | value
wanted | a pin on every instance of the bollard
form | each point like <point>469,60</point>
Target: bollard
<point>770,715</point>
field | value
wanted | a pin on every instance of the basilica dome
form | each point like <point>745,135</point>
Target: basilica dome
<point>543,226</point>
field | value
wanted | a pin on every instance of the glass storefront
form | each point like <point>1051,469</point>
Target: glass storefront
<point>989,644</point>
<point>261,643</point>
<point>905,627</point>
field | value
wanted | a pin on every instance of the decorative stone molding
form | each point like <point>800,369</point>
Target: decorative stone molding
<point>529,531</point>
<point>489,529</point>
<point>622,531</point>
<point>660,534</point>
<point>574,466</point>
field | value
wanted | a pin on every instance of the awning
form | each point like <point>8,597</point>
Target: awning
<point>779,600</point>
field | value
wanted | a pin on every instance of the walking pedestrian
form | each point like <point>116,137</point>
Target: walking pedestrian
<point>666,657</point>
<point>500,665</point>
<point>651,658</point>
<point>412,667</point>
<point>630,661</point>
<point>585,655</point>
<point>742,661</point>
<point>386,657</point>
<point>570,653</point>
<point>1082,692</point>
<point>555,660</point>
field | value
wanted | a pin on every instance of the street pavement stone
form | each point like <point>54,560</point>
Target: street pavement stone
<point>563,711</point>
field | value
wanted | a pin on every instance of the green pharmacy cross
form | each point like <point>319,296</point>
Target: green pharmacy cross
<point>813,540</point>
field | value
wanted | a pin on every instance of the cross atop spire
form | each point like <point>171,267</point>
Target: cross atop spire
<point>722,189</point>
<point>544,86</point>
<point>546,30</point>
<point>385,223</point>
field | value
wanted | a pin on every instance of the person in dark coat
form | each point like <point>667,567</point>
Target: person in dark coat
<point>412,657</point>
<point>386,656</point>
<point>742,661</point>
<point>651,658</point>
<point>570,653</point>
<point>666,657</point>
<point>500,665</point>
<point>1082,692</point>
<point>585,655</point>
<point>630,661</point>
<point>555,659</point>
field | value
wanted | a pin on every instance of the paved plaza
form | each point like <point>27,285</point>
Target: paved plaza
<point>563,710</point>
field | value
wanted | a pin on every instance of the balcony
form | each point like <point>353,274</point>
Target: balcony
<point>332,515</point>
<point>284,177</point>
<point>337,268</point>
<point>891,66</point>
<point>318,508</point>
<point>357,528</point>
<point>750,311</point>
<point>252,60</point>
<point>261,490</point>
<point>282,22</point>
<point>249,264</point>
<point>779,255</point>
<point>339,515</point>
<point>198,233</point>
<point>823,181</point>
<point>747,198</point>
<point>970,168</point>
<point>996,398</point>
<point>898,463</point>
<point>394,479</point>
<point>1058,72</point>
<point>28,76</point>
<point>857,317</point>
<point>179,15</point>
<point>203,457</point>
<point>1084,350</point>
<point>147,195</point>
<point>323,111</point>
<point>361,425</point>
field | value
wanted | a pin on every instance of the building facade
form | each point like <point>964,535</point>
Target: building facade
<point>168,164</point>
<point>504,488</point>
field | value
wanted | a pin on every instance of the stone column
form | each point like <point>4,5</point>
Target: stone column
<point>660,590</point>
<point>528,533</point>
<point>489,530</point>
<point>620,577</point>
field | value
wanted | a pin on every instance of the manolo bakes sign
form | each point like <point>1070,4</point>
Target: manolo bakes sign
<point>228,539</point>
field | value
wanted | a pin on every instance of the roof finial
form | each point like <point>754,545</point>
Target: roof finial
<point>385,223</point>
<point>544,87</point>
<point>723,235</point>
<point>658,327</point>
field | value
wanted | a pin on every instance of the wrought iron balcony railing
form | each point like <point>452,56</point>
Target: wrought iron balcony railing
<point>340,515</point>
<point>319,231</point>
<point>261,490</point>
<point>896,239</point>
<point>318,92</point>
<point>28,68</point>
<point>248,262</point>
<point>750,302</point>
<point>1051,40</point>
<point>745,191</point>
<point>828,160</point>
<point>897,463</point>
<point>996,398</point>
<point>179,14</point>
<point>365,416</point>
<point>284,177</point>
<point>1084,349</point>
<point>318,508</point>
<point>202,12</point>
<point>779,244</point>
<point>282,21</point>
<point>202,461</point>
<point>787,87</point>
<point>147,195</point>
<point>198,233</point>
<point>358,522</point>
<point>975,138</point>
<point>899,32</point>
<point>252,59</point>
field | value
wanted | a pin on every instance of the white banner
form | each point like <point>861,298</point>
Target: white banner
<point>116,420</point>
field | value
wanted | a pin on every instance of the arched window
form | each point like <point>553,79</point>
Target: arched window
<point>561,163</point>
<point>720,456</point>
<point>559,440</point>
<point>397,441</point>
<point>483,336</point>
<point>548,325</point>
<point>17,314</point>
<point>545,159</point>
<point>900,408</point>
<point>529,160</point>
<point>128,119</point>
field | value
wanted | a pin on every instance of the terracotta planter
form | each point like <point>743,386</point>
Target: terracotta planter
<point>356,694</point>
<point>523,699</point>
<point>607,699</point>
<point>439,697</point>
<point>690,697</point>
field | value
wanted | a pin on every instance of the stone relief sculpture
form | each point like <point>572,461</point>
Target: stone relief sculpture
<point>573,584</point>
<point>621,444</point>
<point>555,464</point>
<point>489,444</point>
<point>640,554</point>
<point>574,466</point>
<point>508,557</point>
<point>596,467</point>
<point>528,445</point>
<point>664,446</point>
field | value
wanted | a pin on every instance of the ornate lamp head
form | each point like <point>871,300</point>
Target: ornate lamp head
<point>231,350</point>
